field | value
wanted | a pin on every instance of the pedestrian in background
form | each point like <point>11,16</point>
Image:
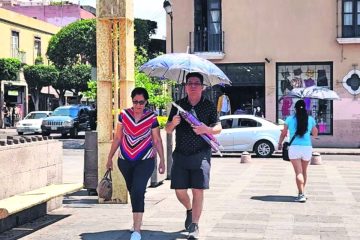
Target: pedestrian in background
<point>301,126</point>
<point>138,137</point>
<point>191,157</point>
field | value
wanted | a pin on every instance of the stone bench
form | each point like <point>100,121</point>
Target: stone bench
<point>23,201</point>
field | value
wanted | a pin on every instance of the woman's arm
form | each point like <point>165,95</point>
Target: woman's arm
<point>282,136</point>
<point>156,137</point>
<point>314,132</point>
<point>114,145</point>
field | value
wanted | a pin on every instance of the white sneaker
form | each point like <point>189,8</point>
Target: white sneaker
<point>193,231</point>
<point>301,198</point>
<point>135,236</point>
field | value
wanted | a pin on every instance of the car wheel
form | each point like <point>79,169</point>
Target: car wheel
<point>74,132</point>
<point>20,133</point>
<point>263,148</point>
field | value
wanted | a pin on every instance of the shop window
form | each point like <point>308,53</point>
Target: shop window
<point>290,76</point>
<point>350,18</point>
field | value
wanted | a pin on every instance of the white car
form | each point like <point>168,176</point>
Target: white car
<point>32,122</point>
<point>248,133</point>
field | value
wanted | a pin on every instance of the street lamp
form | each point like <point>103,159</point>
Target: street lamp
<point>169,11</point>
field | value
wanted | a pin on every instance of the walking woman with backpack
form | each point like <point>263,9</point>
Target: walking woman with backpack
<point>300,126</point>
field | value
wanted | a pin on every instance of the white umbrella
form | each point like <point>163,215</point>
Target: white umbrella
<point>175,66</point>
<point>314,92</point>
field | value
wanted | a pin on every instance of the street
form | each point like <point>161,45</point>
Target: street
<point>246,201</point>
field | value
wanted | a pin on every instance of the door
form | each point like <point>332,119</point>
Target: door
<point>226,137</point>
<point>245,134</point>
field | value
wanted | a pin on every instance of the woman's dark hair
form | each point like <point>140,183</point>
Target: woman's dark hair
<point>140,91</point>
<point>301,118</point>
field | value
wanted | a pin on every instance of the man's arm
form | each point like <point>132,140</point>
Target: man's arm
<point>173,121</point>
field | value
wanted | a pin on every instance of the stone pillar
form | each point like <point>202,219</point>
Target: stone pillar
<point>115,54</point>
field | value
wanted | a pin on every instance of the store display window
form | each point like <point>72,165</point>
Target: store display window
<point>300,75</point>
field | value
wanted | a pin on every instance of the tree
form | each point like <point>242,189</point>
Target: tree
<point>74,79</point>
<point>92,90</point>
<point>143,31</point>
<point>37,77</point>
<point>9,68</point>
<point>76,42</point>
<point>73,44</point>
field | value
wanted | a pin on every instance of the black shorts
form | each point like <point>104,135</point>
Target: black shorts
<point>191,171</point>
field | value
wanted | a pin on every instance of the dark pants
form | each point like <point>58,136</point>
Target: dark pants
<point>137,174</point>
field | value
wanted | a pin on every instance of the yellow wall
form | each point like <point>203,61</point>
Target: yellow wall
<point>28,29</point>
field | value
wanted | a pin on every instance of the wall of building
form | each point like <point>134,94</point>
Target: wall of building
<point>284,31</point>
<point>57,15</point>
<point>28,29</point>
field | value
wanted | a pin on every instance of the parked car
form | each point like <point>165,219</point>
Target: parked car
<point>248,133</point>
<point>67,119</point>
<point>32,122</point>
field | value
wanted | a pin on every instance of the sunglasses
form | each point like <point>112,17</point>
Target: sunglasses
<point>193,84</point>
<point>141,102</point>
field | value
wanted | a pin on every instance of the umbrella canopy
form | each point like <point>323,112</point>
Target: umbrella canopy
<point>314,92</point>
<point>175,66</point>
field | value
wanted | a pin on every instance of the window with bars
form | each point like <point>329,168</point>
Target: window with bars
<point>350,18</point>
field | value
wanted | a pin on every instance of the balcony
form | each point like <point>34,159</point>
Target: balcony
<point>21,55</point>
<point>207,45</point>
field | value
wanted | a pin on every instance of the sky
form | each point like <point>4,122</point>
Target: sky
<point>145,9</point>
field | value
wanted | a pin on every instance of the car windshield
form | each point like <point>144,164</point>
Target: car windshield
<point>71,112</point>
<point>36,115</point>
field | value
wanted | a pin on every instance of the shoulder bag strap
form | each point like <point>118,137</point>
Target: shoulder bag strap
<point>292,139</point>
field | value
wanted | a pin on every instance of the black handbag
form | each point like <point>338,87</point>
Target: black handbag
<point>285,149</point>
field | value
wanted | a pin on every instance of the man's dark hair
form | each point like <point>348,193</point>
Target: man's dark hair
<point>140,91</point>
<point>195,74</point>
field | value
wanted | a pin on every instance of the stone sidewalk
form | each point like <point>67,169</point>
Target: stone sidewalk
<point>246,201</point>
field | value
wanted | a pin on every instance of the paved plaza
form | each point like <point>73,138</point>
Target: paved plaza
<point>246,201</point>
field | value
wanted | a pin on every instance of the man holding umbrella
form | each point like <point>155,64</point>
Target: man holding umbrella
<point>191,157</point>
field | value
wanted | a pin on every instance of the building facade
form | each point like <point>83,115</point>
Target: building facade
<point>267,48</point>
<point>59,15</point>
<point>27,39</point>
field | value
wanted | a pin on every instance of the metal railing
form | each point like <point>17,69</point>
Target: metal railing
<point>203,41</point>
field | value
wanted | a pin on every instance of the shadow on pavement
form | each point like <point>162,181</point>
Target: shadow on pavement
<point>28,228</point>
<point>274,198</point>
<point>125,234</point>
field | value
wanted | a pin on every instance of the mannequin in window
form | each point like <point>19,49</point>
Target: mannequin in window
<point>223,105</point>
<point>258,112</point>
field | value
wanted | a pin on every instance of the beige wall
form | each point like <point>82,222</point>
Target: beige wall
<point>28,29</point>
<point>284,31</point>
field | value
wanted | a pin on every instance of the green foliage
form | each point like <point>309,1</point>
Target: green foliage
<point>74,43</point>
<point>162,121</point>
<point>76,78</point>
<point>158,95</point>
<point>143,31</point>
<point>38,76</point>
<point>92,90</point>
<point>9,68</point>
<point>39,60</point>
